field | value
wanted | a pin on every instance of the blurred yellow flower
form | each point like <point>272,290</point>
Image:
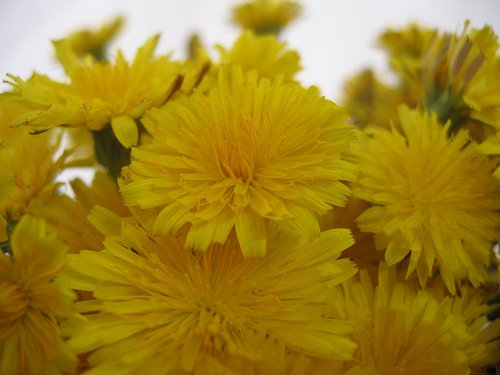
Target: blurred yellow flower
<point>406,47</point>
<point>93,42</point>
<point>263,53</point>
<point>433,197</point>
<point>372,103</point>
<point>400,329</point>
<point>160,308</point>
<point>457,75</point>
<point>251,152</point>
<point>467,79</point>
<point>266,16</point>
<point>32,303</point>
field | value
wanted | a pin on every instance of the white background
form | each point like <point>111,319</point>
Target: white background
<point>335,38</point>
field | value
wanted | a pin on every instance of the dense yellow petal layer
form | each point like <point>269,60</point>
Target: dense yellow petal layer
<point>159,307</point>
<point>432,197</point>
<point>251,152</point>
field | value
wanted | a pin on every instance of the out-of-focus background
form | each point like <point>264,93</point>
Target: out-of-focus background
<point>335,38</point>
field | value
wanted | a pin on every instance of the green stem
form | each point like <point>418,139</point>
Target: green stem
<point>109,152</point>
<point>447,107</point>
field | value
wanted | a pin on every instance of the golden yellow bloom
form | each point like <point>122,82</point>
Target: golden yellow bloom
<point>28,165</point>
<point>263,53</point>
<point>93,42</point>
<point>372,103</point>
<point>406,48</point>
<point>266,16</point>
<point>99,93</point>
<point>400,329</point>
<point>460,75</point>
<point>251,152</point>
<point>454,75</point>
<point>160,308</point>
<point>433,197</point>
<point>31,303</point>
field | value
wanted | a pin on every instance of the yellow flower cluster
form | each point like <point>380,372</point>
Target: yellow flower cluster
<point>241,223</point>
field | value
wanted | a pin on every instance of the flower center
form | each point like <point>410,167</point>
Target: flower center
<point>237,149</point>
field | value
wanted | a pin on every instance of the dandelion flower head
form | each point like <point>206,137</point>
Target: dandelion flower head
<point>100,93</point>
<point>371,102</point>
<point>400,329</point>
<point>163,309</point>
<point>454,75</point>
<point>29,165</point>
<point>93,42</point>
<point>432,196</point>
<point>406,48</point>
<point>264,53</point>
<point>266,16</point>
<point>32,303</point>
<point>250,152</point>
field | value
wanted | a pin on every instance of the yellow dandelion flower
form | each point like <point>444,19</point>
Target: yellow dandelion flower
<point>251,152</point>
<point>99,93</point>
<point>31,303</point>
<point>160,308</point>
<point>400,329</point>
<point>370,102</point>
<point>433,198</point>
<point>28,165</point>
<point>266,16</point>
<point>406,48</point>
<point>460,75</point>
<point>263,53</point>
<point>454,75</point>
<point>93,42</point>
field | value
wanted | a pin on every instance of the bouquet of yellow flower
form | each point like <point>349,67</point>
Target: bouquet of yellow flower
<point>240,223</point>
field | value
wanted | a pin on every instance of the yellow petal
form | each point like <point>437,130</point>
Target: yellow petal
<point>145,53</point>
<point>66,56</point>
<point>490,146</point>
<point>252,233</point>
<point>105,221</point>
<point>7,185</point>
<point>125,130</point>
<point>28,227</point>
<point>496,174</point>
<point>396,251</point>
